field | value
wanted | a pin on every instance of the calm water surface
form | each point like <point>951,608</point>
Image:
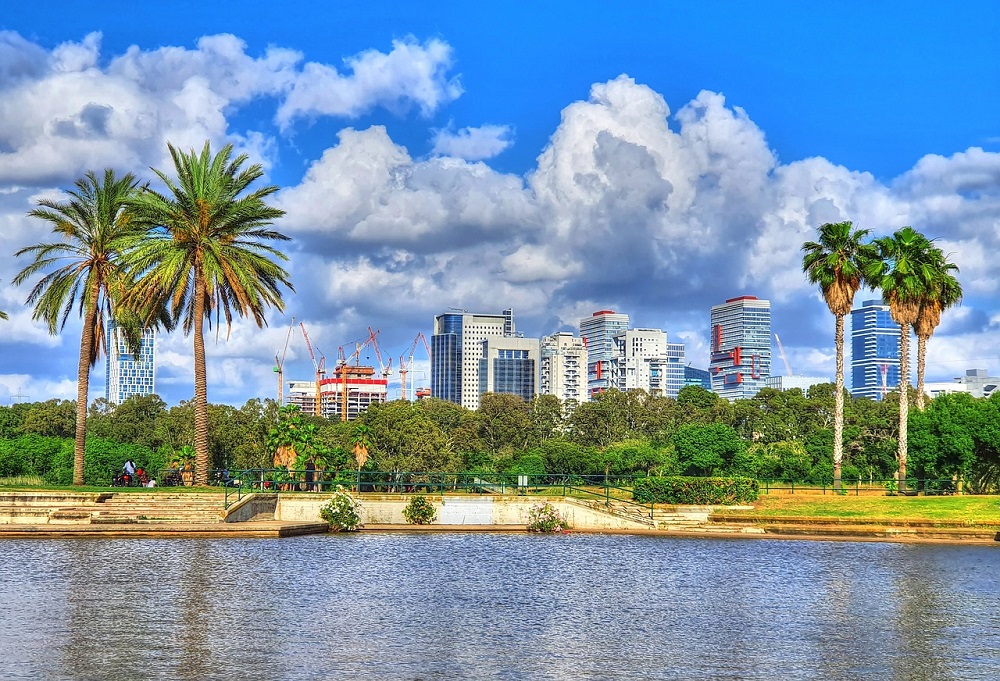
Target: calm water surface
<point>496,606</point>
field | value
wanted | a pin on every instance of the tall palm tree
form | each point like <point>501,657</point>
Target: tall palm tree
<point>837,263</point>
<point>903,273</point>
<point>207,254</point>
<point>943,291</point>
<point>89,273</point>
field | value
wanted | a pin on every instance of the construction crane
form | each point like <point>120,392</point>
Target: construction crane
<point>344,368</point>
<point>385,368</point>
<point>406,361</point>
<point>279,366</point>
<point>781,349</point>
<point>320,367</point>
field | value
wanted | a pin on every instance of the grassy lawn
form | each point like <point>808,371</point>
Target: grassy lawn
<point>973,509</point>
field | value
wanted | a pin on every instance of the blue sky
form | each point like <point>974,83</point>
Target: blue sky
<point>554,157</point>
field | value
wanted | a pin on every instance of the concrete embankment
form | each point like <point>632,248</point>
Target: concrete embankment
<point>161,514</point>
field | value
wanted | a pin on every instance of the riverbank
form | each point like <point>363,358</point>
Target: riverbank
<point>965,520</point>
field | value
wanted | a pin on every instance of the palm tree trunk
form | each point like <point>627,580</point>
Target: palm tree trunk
<point>83,386</point>
<point>904,390</point>
<point>838,405</point>
<point>200,386</point>
<point>921,359</point>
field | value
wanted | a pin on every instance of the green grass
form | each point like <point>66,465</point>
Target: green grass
<point>972,509</point>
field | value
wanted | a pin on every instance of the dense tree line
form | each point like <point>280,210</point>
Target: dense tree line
<point>776,435</point>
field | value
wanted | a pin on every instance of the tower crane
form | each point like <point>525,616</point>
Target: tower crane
<point>343,368</point>
<point>781,349</point>
<point>406,361</point>
<point>385,368</point>
<point>279,366</point>
<point>320,367</point>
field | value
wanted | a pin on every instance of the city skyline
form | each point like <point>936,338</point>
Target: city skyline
<point>653,160</point>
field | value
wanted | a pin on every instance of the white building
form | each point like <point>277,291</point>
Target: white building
<point>803,383</point>
<point>644,360</point>
<point>128,374</point>
<point>564,367</point>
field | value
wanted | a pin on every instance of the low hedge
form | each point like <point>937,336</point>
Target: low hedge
<point>700,491</point>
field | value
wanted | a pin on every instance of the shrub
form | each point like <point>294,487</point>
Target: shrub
<point>701,491</point>
<point>343,512</point>
<point>545,518</point>
<point>420,511</point>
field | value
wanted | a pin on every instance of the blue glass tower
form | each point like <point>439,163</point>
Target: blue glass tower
<point>874,350</point>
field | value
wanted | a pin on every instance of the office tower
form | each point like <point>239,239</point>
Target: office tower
<point>509,365</point>
<point>874,350</point>
<point>598,332</point>
<point>128,374</point>
<point>644,360</point>
<point>564,367</point>
<point>699,377</point>
<point>456,351</point>
<point>741,347</point>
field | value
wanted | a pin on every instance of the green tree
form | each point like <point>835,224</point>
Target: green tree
<point>85,269</point>
<point>903,271</point>
<point>705,450</point>
<point>504,421</point>
<point>207,254</point>
<point>54,418</point>
<point>943,291</point>
<point>837,263</point>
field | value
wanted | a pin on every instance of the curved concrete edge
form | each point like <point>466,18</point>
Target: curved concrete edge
<point>252,530</point>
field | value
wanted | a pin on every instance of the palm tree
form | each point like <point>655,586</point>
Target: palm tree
<point>837,262</point>
<point>207,253</point>
<point>89,273</point>
<point>943,291</point>
<point>903,273</point>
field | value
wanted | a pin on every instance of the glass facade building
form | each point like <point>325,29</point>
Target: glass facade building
<point>598,332</point>
<point>874,350</point>
<point>740,358</point>
<point>457,349</point>
<point>128,374</point>
<point>510,366</point>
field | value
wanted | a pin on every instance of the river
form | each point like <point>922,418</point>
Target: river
<point>497,606</point>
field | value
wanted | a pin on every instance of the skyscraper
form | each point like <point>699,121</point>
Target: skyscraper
<point>741,347</point>
<point>598,332</point>
<point>129,375</point>
<point>456,351</point>
<point>564,367</point>
<point>874,350</point>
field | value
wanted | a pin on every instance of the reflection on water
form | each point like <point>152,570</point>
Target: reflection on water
<point>500,606</point>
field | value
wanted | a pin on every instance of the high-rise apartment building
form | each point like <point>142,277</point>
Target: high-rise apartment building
<point>598,332</point>
<point>456,351</point>
<point>564,367</point>
<point>646,361</point>
<point>129,374</point>
<point>510,366</point>
<point>874,350</point>
<point>740,359</point>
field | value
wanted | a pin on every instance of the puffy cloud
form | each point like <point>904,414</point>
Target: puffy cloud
<point>412,74</point>
<point>473,144</point>
<point>629,206</point>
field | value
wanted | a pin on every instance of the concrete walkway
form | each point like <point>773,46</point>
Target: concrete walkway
<point>259,529</point>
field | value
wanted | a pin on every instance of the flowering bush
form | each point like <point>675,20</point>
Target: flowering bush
<point>343,512</point>
<point>545,518</point>
<point>420,511</point>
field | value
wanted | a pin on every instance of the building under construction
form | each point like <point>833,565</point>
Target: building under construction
<point>352,389</point>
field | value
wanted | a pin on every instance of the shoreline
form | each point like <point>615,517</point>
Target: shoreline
<point>279,529</point>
